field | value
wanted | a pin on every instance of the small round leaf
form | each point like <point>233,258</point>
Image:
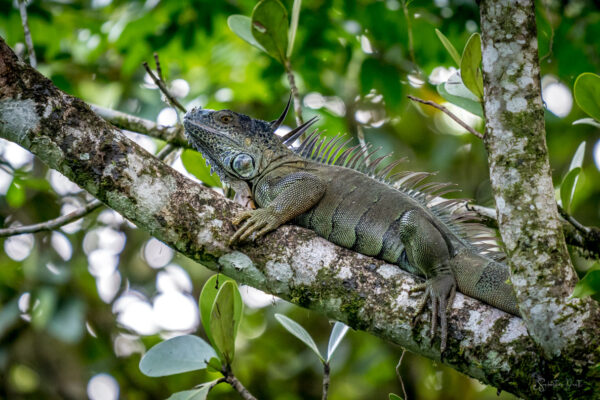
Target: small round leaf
<point>587,94</point>
<point>176,355</point>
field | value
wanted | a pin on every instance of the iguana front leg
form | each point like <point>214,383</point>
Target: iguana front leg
<point>281,199</point>
<point>427,249</point>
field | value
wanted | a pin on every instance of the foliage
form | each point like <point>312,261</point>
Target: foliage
<point>59,325</point>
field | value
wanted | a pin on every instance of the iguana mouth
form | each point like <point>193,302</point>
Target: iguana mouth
<point>189,123</point>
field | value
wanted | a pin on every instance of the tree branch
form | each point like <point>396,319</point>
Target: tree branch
<point>170,134</point>
<point>448,113</point>
<point>294,264</point>
<point>158,81</point>
<point>27,33</point>
<point>326,379</point>
<point>541,270</point>
<point>237,385</point>
<point>53,223</point>
<point>297,102</point>
<point>585,238</point>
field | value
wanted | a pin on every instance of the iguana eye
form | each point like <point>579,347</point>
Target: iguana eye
<point>243,164</point>
<point>226,119</point>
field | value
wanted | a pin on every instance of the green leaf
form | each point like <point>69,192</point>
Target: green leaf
<point>222,323</point>
<point>567,188</point>
<point>577,160</point>
<point>453,53</point>
<point>589,284</point>
<point>241,26</point>
<point>15,196</point>
<point>470,70</point>
<point>587,94</point>
<point>294,26</point>
<point>587,121</point>
<point>207,300</point>
<point>394,397</point>
<point>468,104</point>
<point>174,356</point>
<point>337,334</point>
<point>194,163</point>
<point>295,329</point>
<point>270,27</point>
<point>199,393</point>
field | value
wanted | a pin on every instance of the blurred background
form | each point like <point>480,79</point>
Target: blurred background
<point>80,305</point>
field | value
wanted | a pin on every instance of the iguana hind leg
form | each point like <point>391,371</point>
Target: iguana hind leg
<point>428,250</point>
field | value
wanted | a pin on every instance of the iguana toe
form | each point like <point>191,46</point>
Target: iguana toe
<point>441,290</point>
<point>258,222</point>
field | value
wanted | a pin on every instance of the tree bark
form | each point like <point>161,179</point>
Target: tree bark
<point>541,269</point>
<point>294,264</point>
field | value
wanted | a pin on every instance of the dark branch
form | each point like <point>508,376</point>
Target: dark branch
<point>162,86</point>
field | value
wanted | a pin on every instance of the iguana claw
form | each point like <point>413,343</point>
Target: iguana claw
<point>441,290</point>
<point>259,221</point>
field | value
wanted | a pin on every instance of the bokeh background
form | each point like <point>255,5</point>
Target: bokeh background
<point>81,305</point>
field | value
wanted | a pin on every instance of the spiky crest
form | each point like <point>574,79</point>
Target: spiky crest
<point>465,225</point>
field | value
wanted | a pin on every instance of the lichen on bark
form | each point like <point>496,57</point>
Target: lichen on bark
<point>541,270</point>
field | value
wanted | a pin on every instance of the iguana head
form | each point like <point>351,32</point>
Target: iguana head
<point>236,146</point>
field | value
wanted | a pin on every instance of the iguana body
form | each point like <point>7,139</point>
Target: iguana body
<point>345,198</point>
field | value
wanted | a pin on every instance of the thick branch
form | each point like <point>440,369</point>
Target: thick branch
<point>294,264</point>
<point>541,269</point>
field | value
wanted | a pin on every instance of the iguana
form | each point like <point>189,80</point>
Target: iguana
<point>344,195</point>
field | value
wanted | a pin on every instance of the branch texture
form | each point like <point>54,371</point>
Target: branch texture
<point>541,270</point>
<point>294,264</point>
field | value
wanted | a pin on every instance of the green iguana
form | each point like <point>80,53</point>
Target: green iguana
<point>344,195</point>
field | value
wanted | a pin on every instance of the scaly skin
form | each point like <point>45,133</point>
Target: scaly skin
<point>348,208</point>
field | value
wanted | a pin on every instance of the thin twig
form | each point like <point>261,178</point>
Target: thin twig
<point>158,68</point>
<point>411,47</point>
<point>583,229</point>
<point>326,371</point>
<point>237,385</point>
<point>295,94</point>
<point>447,112</point>
<point>28,41</point>
<point>399,375</point>
<point>53,223</point>
<point>163,88</point>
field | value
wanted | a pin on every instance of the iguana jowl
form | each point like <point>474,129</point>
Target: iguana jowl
<point>342,195</point>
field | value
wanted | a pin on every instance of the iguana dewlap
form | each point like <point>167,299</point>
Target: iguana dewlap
<point>344,196</point>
